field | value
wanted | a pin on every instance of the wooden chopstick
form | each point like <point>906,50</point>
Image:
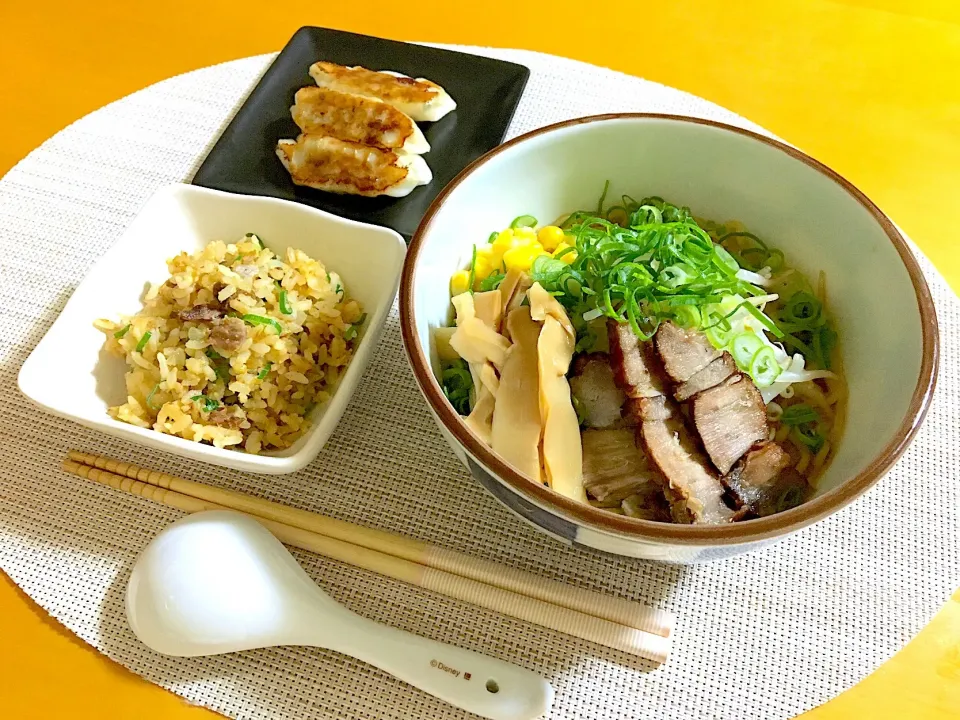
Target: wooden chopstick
<point>605,607</point>
<point>604,632</point>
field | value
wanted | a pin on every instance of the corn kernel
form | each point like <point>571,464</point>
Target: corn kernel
<point>521,258</point>
<point>569,257</point>
<point>485,265</point>
<point>550,236</point>
<point>525,233</point>
<point>504,241</point>
<point>459,283</point>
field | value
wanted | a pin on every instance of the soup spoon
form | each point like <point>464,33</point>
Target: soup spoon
<point>218,582</point>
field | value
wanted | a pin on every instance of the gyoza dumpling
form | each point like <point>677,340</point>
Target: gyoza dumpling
<point>339,166</point>
<point>420,99</point>
<point>366,120</point>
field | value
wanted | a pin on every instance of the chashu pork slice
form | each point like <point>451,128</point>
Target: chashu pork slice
<point>325,163</point>
<point>347,116</point>
<point>614,468</point>
<point>693,488</point>
<point>595,389</point>
<point>419,98</point>
<point>753,482</point>
<point>683,352</point>
<point>634,366</point>
<point>713,374</point>
<point>730,418</point>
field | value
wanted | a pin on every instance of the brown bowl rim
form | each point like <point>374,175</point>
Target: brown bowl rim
<point>599,520</point>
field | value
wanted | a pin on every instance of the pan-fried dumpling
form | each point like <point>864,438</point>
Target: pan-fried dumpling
<point>339,166</point>
<point>420,99</point>
<point>347,116</point>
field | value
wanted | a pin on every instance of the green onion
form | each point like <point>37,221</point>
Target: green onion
<point>209,404</point>
<point>144,339</point>
<point>687,316</point>
<point>719,331</point>
<point>791,497</point>
<point>351,331</point>
<point>799,414</point>
<point>825,341</point>
<point>762,319</point>
<point>231,261</point>
<point>122,331</point>
<point>265,371</point>
<point>284,305</point>
<point>802,309</point>
<point>256,237</point>
<point>764,368</point>
<point>642,274</point>
<point>493,237</point>
<point>743,348</point>
<point>492,282</point>
<point>523,221</point>
<point>457,384</point>
<point>473,270</point>
<point>213,354</point>
<point>807,435</point>
<point>150,396</point>
<point>261,320</point>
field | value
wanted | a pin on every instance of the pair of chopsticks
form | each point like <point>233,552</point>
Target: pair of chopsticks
<point>613,622</point>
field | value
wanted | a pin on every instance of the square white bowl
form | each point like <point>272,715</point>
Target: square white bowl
<point>181,218</point>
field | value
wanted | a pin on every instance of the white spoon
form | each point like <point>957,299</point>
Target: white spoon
<point>219,582</point>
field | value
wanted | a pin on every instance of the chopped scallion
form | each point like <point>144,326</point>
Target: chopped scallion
<point>743,347</point>
<point>523,221</point>
<point>265,371</point>
<point>473,269</point>
<point>261,320</point>
<point>284,303</point>
<point>799,414</point>
<point>144,339</point>
<point>209,404</point>
<point>122,331</point>
<point>764,368</point>
<point>457,385</point>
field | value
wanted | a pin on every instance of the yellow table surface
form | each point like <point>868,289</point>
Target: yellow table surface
<point>870,87</point>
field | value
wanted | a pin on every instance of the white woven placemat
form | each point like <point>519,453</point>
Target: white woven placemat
<point>762,636</point>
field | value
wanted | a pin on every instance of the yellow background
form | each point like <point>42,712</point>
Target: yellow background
<point>871,87</point>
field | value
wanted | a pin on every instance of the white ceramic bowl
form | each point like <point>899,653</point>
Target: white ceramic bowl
<point>185,218</point>
<point>882,306</point>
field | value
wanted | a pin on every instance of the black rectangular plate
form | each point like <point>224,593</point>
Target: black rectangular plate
<point>486,91</point>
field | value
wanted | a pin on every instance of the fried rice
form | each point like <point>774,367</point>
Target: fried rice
<point>237,347</point>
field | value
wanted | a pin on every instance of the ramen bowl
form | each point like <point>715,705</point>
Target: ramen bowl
<point>884,315</point>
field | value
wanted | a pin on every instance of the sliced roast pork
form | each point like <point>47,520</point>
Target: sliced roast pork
<point>647,506</point>
<point>595,389</point>
<point>636,371</point>
<point>614,468</point>
<point>692,487</point>
<point>730,418</point>
<point>683,353</point>
<point>713,374</point>
<point>755,475</point>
